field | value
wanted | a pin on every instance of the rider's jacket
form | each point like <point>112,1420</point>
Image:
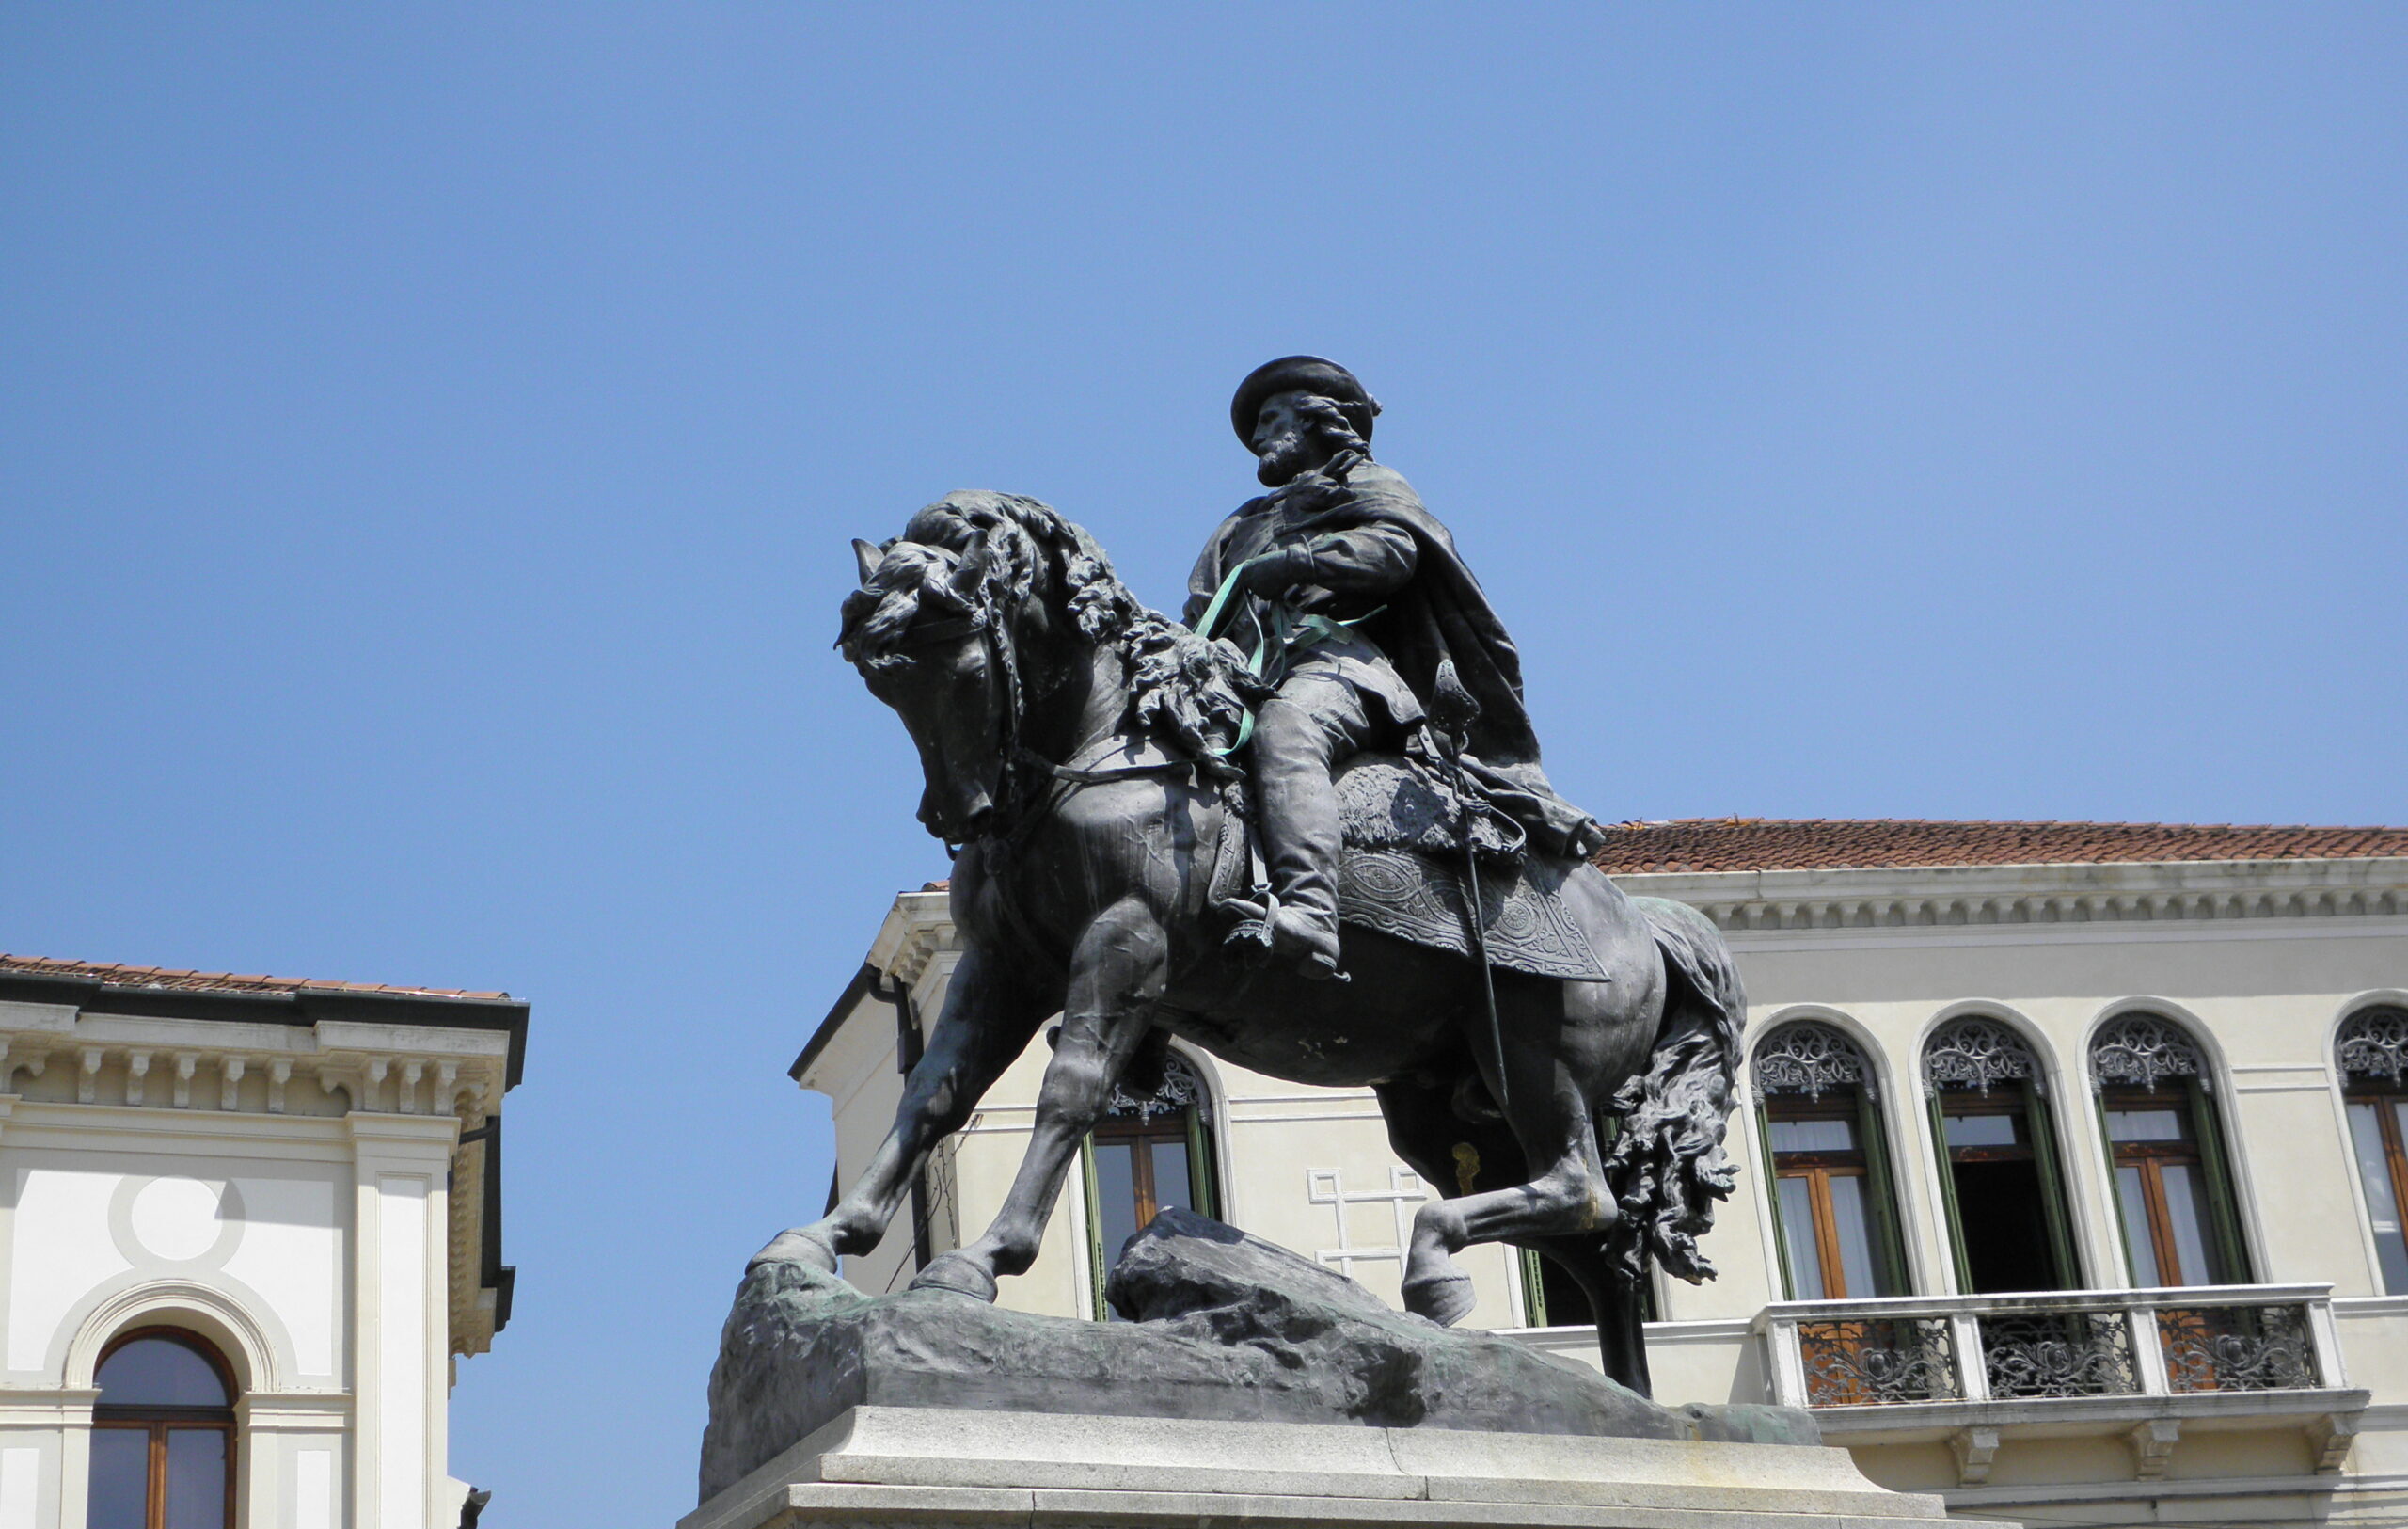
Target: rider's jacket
<point>1369,553</point>
<point>1334,572</point>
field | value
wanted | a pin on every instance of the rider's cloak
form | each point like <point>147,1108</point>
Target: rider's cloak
<point>1440,612</point>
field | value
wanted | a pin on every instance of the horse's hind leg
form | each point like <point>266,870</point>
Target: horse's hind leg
<point>1622,1334</point>
<point>1451,1153</point>
<point>1550,1117</point>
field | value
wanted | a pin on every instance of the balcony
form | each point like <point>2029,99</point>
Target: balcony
<point>2152,1367</point>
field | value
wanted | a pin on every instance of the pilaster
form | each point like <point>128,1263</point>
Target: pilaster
<point>399,1340</point>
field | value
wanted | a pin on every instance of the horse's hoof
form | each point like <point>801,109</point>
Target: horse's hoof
<point>798,1245</point>
<point>1446,1298</point>
<point>962,1276</point>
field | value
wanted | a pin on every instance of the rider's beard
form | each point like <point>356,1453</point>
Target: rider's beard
<point>1287,457</point>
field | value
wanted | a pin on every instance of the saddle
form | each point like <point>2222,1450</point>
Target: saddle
<point>1402,873</point>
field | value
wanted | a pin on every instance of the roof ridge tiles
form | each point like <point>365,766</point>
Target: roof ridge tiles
<point>1733,843</point>
<point>120,974</point>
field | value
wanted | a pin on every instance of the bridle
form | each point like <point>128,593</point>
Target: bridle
<point>1012,822</point>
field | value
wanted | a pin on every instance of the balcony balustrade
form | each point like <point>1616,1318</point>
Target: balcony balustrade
<point>1979,1369</point>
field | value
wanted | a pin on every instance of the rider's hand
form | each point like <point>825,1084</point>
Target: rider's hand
<point>1275,573</point>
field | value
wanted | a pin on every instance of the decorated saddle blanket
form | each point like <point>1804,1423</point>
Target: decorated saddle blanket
<point>1402,873</point>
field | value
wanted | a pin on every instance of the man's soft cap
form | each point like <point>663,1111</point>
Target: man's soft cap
<point>1301,374</point>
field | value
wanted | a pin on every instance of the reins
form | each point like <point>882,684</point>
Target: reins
<point>1105,777</point>
<point>1063,780</point>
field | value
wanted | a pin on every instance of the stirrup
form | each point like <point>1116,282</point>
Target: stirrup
<point>1258,926</point>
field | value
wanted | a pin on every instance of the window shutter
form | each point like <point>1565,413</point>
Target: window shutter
<point>1948,1194</point>
<point>1889,1246</point>
<point>2223,1208</point>
<point>1095,1227</point>
<point>1772,1191</point>
<point>2052,1185</point>
<point>2116,1189</point>
<point>1203,1175</point>
<point>1533,1289</point>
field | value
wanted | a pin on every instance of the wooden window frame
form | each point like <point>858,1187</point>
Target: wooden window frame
<point>157,1421</point>
<point>2201,1147</point>
<point>2386,1097</point>
<point>1203,1176</point>
<point>1854,1105</point>
<point>1148,1130</point>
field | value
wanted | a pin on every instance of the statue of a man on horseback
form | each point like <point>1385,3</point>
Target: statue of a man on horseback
<point>1572,1083</point>
<point>1354,602</point>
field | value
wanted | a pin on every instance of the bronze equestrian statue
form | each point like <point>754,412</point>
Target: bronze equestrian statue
<point>1089,755</point>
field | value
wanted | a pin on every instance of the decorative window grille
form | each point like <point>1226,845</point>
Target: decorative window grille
<point>2139,1051</point>
<point>1978,1054</point>
<point>1178,1090</point>
<point>1813,1059</point>
<point>2374,1045</point>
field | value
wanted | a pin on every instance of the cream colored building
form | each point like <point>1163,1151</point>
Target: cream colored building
<point>248,1224</point>
<point>2087,1139</point>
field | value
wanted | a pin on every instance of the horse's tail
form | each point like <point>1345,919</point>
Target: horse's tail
<point>1668,1167</point>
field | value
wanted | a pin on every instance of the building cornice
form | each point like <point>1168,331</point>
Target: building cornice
<point>917,929</point>
<point>919,926</point>
<point>302,1006</point>
<point>2091,893</point>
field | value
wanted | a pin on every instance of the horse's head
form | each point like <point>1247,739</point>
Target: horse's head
<point>924,632</point>
<point>990,607</point>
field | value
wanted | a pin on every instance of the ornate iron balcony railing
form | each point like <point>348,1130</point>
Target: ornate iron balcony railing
<point>2039,1347</point>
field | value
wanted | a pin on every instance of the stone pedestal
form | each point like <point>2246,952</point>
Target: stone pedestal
<point>963,1469</point>
<point>1218,1325</point>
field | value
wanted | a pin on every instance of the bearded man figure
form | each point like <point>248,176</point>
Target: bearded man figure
<point>1354,599</point>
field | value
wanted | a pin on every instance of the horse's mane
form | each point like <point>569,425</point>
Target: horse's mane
<point>1183,691</point>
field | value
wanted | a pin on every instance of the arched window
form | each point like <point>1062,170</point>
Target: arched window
<point>162,1435</point>
<point>1152,1150</point>
<point>1832,1204</point>
<point>2000,1177</point>
<point>2374,1057</point>
<point>2173,1188</point>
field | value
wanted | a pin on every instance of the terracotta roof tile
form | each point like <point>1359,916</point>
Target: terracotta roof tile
<point>113,974</point>
<point>1714,844</point>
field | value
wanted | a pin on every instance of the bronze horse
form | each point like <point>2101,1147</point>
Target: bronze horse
<point>1073,744</point>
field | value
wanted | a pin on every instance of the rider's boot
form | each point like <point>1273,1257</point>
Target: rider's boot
<point>1305,938</point>
<point>1302,839</point>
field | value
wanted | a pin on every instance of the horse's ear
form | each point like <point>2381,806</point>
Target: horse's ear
<point>969,574</point>
<point>868,556</point>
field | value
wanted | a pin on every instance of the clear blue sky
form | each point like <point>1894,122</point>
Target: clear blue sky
<point>430,437</point>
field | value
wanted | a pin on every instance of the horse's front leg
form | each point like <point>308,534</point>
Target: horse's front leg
<point>987,1019</point>
<point>1117,976</point>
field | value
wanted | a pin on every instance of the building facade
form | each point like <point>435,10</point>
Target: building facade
<point>2071,1159</point>
<point>249,1223</point>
